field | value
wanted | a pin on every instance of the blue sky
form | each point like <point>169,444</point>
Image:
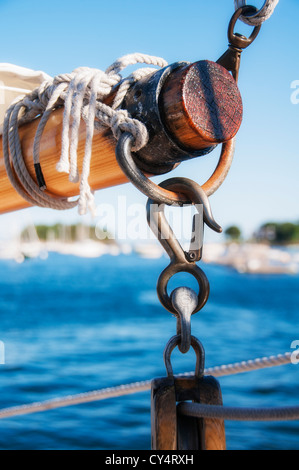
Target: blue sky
<point>263,183</point>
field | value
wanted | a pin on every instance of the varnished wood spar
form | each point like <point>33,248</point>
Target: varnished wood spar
<point>172,431</point>
<point>191,111</point>
<point>105,171</point>
<point>203,105</point>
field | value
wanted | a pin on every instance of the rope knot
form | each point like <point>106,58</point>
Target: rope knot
<point>83,93</point>
<point>119,118</point>
<point>122,122</point>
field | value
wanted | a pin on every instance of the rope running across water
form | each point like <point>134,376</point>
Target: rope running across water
<point>129,389</point>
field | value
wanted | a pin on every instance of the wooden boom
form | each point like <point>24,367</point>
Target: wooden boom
<point>197,110</point>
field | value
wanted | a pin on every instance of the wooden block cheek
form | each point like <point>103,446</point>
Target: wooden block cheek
<point>170,432</point>
<point>207,391</point>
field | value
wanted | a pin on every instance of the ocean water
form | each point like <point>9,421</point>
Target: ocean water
<point>72,325</point>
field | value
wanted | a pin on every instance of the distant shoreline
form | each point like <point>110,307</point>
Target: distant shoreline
<point>254,258</point>
<point>251,258</point>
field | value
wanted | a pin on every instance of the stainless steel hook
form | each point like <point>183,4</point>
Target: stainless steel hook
<point>180,260</point>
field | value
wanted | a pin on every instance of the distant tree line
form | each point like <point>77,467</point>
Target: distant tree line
<point>279,233</point>
<point>233,233</point>
<point>64,233</point>
<point>270,232</point>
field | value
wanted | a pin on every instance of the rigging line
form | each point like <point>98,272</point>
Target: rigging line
<point>122,390</point>
<point>196,410</point>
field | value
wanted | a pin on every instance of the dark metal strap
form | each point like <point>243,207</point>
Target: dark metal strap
<point>164,196</point>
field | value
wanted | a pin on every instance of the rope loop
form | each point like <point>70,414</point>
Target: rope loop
<point>256,19</point>
<point>121,390</point>
<point>83,93</point>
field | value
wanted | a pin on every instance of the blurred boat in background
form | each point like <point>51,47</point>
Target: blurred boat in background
<point>149,251</point>
<point>253,258</point>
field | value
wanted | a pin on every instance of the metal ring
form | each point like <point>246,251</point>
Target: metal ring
<point>195,271</point>
<point>238,40</point>
<point>155,192</point>
<point>183,330</point>
<point>198,349</point>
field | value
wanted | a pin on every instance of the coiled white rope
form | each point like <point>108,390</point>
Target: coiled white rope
<point>122,390</point>
<point>262,15</point>
<point>82,92</point>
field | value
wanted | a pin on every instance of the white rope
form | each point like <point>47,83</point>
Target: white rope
<point>122,390</point>
<point>250,366</point>
<point>262,15</point>
<point>89,397</point>
<point>82,92</point>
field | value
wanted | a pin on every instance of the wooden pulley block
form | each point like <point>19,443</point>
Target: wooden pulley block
<point>173,431</point>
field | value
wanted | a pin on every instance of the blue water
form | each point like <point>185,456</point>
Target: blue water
<point>72,325</point>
